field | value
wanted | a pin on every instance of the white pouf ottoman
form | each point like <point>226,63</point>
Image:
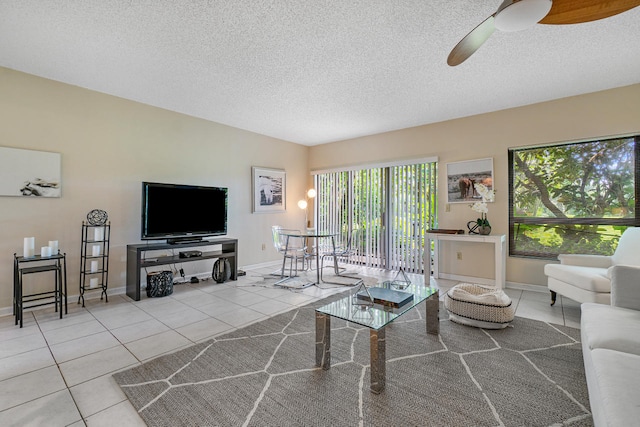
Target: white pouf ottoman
<point>480,306</point>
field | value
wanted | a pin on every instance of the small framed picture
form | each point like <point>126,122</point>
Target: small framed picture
<point>462,178</point>
<point>269,190</point>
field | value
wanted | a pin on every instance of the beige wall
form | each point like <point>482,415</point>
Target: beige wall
<point>108,147</point>
<point>611,112</point>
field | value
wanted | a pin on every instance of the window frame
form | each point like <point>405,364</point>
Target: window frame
<point>515,221</point>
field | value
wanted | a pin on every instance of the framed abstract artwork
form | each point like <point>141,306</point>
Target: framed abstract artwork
<point>29,173</point>
<point>269,190</point>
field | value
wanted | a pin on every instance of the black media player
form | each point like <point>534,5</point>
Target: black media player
<point>190,254</point>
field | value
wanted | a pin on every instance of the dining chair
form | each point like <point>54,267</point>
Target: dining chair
<point>291,248</point>
<point>345,250</point>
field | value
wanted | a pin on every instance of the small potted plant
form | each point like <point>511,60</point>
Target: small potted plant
<point>482,225</point>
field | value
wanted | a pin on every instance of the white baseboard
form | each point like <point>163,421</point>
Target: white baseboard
<point>526,287</point>
<point>121,290</point>
<point>262,265</point>
<point>5,311</point>
<point>73,299</point>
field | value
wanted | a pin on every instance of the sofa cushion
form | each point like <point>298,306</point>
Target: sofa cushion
<point>617,377</point>
<point>589,278</point>
<point>612,328</point>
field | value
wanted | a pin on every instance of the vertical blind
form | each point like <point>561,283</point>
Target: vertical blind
<point>386,211</point>
<point>413,207</point>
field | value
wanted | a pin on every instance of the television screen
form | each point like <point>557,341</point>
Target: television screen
<point>183,212</point>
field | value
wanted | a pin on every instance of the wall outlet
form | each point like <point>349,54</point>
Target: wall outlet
<point>264,246</point>
<point>459,254</point>
<point>447,207</point>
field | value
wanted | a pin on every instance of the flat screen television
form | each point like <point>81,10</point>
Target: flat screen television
<point>180,213</point>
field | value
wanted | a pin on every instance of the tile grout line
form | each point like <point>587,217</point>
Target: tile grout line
<point>120,300</point>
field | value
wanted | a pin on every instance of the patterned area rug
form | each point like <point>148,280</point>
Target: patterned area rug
<point>307,278</point>
<point>264,375</point>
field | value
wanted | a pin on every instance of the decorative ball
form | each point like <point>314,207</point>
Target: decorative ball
<point>97,217</point>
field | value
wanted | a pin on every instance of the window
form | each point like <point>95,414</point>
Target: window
<point>572,197</point>
<point>389,208</point>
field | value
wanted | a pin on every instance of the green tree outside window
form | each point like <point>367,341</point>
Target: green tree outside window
<point>573,197</point>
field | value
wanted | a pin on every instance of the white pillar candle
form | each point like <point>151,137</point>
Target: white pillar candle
<point>53,244</point>
<point>98,234</point>
<point>45,251</point>
<point>93,283</point>
<point>94,266</point>
<point>95,250</point>
<point>29,247</point>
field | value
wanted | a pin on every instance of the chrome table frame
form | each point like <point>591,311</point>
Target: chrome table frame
<point>379,318</point>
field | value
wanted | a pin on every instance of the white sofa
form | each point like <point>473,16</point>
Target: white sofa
<point>587,278</point>
<point>611,351</point>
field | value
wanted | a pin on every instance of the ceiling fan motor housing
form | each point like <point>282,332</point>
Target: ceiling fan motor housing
<point>516,15</point>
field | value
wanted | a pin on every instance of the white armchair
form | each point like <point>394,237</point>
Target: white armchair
<point>587,278</point>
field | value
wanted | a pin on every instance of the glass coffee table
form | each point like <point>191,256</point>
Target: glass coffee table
<point>376,318</point>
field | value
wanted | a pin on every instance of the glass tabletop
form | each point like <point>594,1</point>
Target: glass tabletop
<point>377,316</point>
<point>308,233</point>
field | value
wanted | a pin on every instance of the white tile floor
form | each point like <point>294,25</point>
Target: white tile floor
<point>57,372</point>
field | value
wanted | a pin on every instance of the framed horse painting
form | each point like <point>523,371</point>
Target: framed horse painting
<point>462,178</point>
<point>269,190</point>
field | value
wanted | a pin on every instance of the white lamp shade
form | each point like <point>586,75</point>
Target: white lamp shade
<point>311,193</point>
<point>302,204</point>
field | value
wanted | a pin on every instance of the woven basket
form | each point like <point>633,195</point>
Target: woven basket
<point>480,306</point>
<point>159,283</point>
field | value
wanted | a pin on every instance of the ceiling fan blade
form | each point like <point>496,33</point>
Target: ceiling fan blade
<point>577,11</point>
<point>471,42</point>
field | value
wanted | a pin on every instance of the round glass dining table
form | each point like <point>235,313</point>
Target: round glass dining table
<point>316,236</point>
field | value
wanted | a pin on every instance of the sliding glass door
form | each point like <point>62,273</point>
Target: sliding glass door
<point>385,210</point>
<point>413,209</point>
<point>351,204</point>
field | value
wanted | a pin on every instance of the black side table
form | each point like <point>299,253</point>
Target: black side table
<point>39,264</point>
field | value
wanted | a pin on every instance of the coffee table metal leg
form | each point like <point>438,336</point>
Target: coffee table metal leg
<point>377,343</point>
<point>432,308</point>
<point>323,340</point>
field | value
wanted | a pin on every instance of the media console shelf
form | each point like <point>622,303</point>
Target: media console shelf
<point>136,261</point>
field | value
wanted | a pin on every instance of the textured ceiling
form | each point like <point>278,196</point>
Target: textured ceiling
<point>312,71</point>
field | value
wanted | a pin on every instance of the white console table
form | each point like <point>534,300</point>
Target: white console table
<point>499,242</point>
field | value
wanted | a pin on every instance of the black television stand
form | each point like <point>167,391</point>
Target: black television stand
<point>136,262</point>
